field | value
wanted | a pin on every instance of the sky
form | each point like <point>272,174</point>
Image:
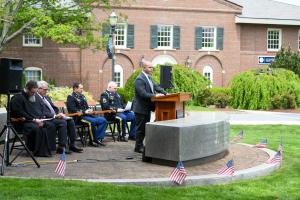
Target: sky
<point>295,2</point>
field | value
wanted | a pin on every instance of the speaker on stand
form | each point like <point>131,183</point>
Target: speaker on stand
<point>11,82</point>
<point>166,76</point>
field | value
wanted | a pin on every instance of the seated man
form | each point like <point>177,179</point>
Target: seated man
<point>25,105</point>
<point>77,103</point>
<point>51,111</point>
<point>111,100</point>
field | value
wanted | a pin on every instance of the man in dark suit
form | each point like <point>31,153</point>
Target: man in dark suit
<point>59,119</point>
<point>144,88</point>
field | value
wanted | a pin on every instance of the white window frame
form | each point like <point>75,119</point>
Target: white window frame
<point>170,37</point>
<point>119,69</point>
<point>208,70</point>
<point>299,40</point>
<point>279,42</point>
<point>33,69</point>
<point>117,35</point>
<point>214,47</point>
<point>33,38</point>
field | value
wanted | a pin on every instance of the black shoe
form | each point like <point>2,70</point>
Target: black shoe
<point>60,150</point>
<point>75,149</point>
<point>92,144</point>
<point>140,150</point>
<point>131,138</point>
<point>100,142</point>
<point>123,139</point>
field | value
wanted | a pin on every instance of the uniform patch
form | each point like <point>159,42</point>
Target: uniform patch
<point>104,100</point>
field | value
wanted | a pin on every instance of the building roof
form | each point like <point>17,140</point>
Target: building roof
<point>267,12</point>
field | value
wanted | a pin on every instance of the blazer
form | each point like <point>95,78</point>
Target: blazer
<point>142,103</point>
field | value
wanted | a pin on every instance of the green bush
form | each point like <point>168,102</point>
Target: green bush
<point>203,97</point>
<point>61,94</point>
<point>288,101</point>
<point>287,59</point>
<point>3,100</point>
<point>258,89</point>
<point>184,80</point>
<point>220,97</point>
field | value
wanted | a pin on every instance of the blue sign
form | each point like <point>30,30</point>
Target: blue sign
<point>265,60</point>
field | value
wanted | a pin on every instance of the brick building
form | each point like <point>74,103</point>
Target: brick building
<point>218,38</point>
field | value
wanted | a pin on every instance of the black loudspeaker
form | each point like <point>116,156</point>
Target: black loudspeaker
<point>10,75</point>
<point>166,76</point>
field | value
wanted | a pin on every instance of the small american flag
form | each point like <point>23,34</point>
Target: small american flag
<point>277,158</point>
<point>179,174</point>
<point>238,137</point>
<point>228,169</point>
<point>279,149</point>
<point>61,166</point>
<point>262,144</point>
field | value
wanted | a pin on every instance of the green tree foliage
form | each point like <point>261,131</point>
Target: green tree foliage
<point>256,89</point>
<point>184,80</point>
<point>65,22</point>
<point>288,59</point>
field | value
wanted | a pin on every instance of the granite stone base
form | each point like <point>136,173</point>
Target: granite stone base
<point>189,139</point>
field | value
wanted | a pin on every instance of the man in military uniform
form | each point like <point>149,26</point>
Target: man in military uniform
<point>77,103</point>
<point>111,100</point>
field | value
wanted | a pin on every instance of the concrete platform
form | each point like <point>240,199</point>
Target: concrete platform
<point>117,163</point>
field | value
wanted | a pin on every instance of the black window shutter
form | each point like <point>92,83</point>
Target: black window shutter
<point>176,37</point>
<point>198,38</point>
<point>153,36</point>
<point>130,36</point>
<point>220,38</point>
<point>106,29</point>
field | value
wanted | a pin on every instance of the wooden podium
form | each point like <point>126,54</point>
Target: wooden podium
<point>170,106</point>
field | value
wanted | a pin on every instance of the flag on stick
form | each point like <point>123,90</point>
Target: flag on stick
<point>277,158</point>
<point>279,149</point>
<point>179,174</point>
<point>228,169</point>
<point>262,144</point>
<point>61,166</point>
<point>238,137</point>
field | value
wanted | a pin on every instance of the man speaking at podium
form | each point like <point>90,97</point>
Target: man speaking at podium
<point>144,89</point>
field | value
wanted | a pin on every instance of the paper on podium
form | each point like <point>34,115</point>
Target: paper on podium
<point>128,106</point>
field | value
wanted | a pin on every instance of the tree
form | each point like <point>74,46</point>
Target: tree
<point>286,58</point>
<point>62,21</point>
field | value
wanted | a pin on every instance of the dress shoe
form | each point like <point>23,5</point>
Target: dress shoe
<point>60,150</point>
<point>100,142</point>
<point>131,138</point>
<point>140,150</point>
<point>75,149</point>
<point>92,144</point>
<point>123,139</point>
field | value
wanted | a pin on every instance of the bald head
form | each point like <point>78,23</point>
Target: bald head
<point>112,86</point>
<point>147,66</point>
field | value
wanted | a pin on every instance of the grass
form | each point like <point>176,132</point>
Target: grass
<point>282,184</point>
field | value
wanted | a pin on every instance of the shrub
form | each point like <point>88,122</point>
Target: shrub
<point>220,97</point>
<point>184,80</point>
<point>257,89</point>
<point>61,94</point>
<point>287,59</point>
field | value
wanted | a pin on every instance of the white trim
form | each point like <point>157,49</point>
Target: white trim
<point>242,20</point>
<point>124,46</point>
<point>119,68</point>
<point>215,39</point>
<point>171,38</point>
<point>280,39</point>
<point>208,69</point>
<point>34,69</point>
<point>31,44</point>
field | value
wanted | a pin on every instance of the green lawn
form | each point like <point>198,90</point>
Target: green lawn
<point>282,184</point>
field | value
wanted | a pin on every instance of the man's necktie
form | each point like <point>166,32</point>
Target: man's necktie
<point>151,84</point>
<point>49,106</point>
